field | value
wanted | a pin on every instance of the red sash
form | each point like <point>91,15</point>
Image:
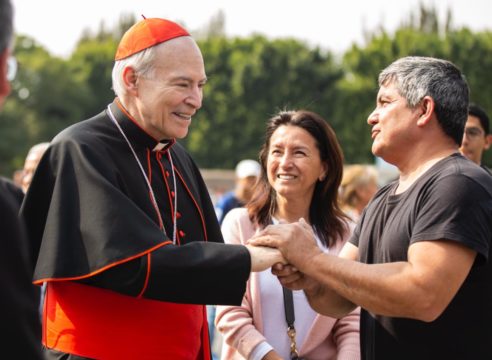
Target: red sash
<point>102,324</point>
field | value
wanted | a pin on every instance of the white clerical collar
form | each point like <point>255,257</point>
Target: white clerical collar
<point>159,146</point>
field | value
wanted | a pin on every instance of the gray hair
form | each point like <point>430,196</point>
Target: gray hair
<point>142,62</point>
<point>416,77</point>
<point>6,24</point>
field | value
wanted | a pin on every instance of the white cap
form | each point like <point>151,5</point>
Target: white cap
<point>247,168</point>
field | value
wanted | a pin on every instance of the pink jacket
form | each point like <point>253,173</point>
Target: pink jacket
<point>241,326</point>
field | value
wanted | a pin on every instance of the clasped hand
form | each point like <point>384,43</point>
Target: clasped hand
<point>293,245</point>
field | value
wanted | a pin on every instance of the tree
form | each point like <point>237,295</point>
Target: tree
<point>93,59</point>
<point>46,98</point>
<point>249,80</point>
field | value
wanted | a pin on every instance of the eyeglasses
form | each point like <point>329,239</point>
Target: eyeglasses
<point>11,68</point>
<point>473,132</point>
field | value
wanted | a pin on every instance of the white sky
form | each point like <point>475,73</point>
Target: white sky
<point>333,25</point>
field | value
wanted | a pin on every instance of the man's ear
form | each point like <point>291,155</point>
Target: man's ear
<point>130,78</point>
<point>488,141</point>
<point>426,108</point>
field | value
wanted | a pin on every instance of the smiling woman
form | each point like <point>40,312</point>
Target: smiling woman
<point>302,165</point>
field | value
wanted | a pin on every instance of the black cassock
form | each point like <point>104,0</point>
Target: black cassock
<point>90,217</point>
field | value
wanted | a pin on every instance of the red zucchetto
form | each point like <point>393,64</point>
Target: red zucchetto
<point>147,33</point>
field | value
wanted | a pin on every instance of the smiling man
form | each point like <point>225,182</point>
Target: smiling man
<point>126,235</point>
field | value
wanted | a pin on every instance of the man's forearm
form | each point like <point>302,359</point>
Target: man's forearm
<point>382,288</point>
<point>327,302</point>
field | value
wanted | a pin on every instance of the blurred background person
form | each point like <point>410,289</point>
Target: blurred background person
<point>247,172</point>
<point>30,164</point>
<point>17,178</point>
<point>359,184</point>
<point>22,178</point>
<point>476,138</point>
<point>33,157</point>
<point>301,170</point>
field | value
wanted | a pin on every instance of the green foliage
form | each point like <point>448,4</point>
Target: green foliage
<point>45,98</point>
<point>92,64</point>
<point>250,79</point>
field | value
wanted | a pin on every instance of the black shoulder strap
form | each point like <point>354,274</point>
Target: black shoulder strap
<point>289,307</point>
<point>290,318</point>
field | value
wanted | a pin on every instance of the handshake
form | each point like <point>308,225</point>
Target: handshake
<point>283,244</point>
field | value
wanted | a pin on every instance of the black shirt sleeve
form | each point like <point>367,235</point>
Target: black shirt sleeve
<point>195,273</point>
<point>20,298</point>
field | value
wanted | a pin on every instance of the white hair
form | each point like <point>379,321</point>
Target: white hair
<point>142,62</point>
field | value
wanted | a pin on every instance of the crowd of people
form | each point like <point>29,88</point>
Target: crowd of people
<point>307,258</point>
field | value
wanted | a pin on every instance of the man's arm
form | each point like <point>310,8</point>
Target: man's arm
<point>195,273</point>
<point>420,288</point>
<point>321,298</point>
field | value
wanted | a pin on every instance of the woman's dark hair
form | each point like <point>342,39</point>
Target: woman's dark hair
<point>328,221</point>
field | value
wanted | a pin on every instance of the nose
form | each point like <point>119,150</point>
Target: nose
<point>286,160</point>
<point>195,97</point>
<point>373,117</point>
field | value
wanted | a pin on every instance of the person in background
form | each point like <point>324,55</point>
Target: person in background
<point>247,172</point>
<point>22,178</point>
<point>302,165</point>
<point>419,261</point>
<point>20,327</point>
<point>359,184</point>
<point>17,178</point>
<point>246,175</point>
<point>30,164</point>
<point>125,233</point>
<point>476,138</point>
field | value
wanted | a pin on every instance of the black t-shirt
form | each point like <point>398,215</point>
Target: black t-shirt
<point>453,201</point>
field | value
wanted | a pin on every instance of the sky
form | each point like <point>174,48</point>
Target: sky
<point>332,25</point>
